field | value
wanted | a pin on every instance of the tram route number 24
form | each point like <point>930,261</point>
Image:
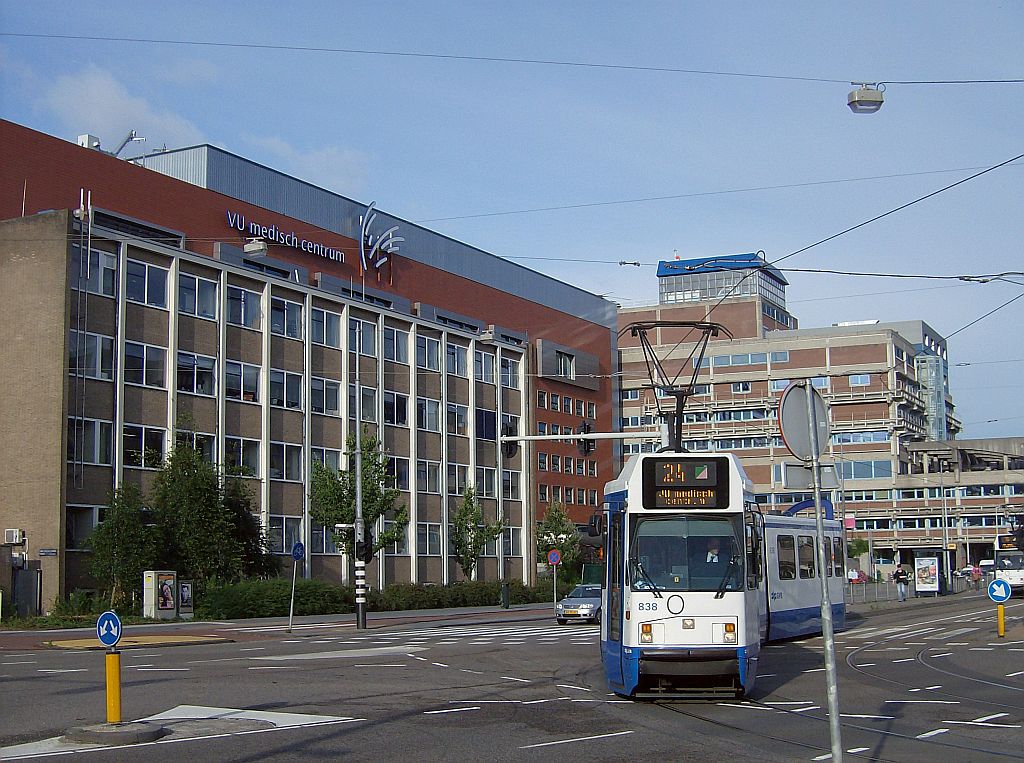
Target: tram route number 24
<point>647,606</point>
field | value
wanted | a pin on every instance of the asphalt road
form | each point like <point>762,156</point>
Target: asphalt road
<point>926,681</point>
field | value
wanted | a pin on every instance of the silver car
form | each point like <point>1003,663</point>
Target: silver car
<point>584,603</point>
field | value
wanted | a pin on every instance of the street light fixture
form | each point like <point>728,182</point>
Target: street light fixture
<point>866,99</point>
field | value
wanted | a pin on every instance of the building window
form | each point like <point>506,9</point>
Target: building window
<point>567,464</point>
<point>428,353</point>
<point>91,355</point>
<point>79,523</point>
<point>554,401</point>
<point>241,381</point>
<point>367,403</point>
<point>428,414</point>
<point>324,396</point>
<point>396,344</point>
<point>362,335</point>
<point>428,539</point>
<point>565,365</point>
<point>285,389</point>
<point>483,366</point>
<point>285,318</point>
<point>326,328</point>
<point>486,481</point>
<point>592,497</point>
<point>629,394</point>
<point>203,443</point>
<point>328,457</point>
<point>510,485</point>
<point>283,533</point>
<point>197,296</point>
<point>397,469</point>
<point>102,272</point>
<point>321,540</point>
<point>542,427</point>
<point>509,424</point>
<point>285,462</point>
<point>780,357</point>
<point>542,493</point>
<point>90,441</point>
<point>740,388</point>
<point>556,463</point>
<point>512,541</point>
<point>820,382</point>
<point>242,456</point>
<point>197,374</point>
<point>146,284</point>
<point>396,409</point>
<point>486,424</point>
<point>591,410</point>
<point>570,495</point>
<point>510,373</point>
<point>400,547</point>
<point>591,468</point>
<point>144,364</point>
<point>542,399</point>
<point>860,380</point>
<point>428,476</point>
<point>143,446</point>
<point>866,470</point>
<point>457,419</point>
<point>458,478</point>
<point>455,359</point>
<point>244,307</point>
<point>542,462</point>
<point>778,385</point>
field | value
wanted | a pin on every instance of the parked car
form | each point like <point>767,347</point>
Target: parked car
<point>583,603</point>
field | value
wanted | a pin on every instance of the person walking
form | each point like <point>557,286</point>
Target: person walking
<point>901,577</point>
<point>976,577</point>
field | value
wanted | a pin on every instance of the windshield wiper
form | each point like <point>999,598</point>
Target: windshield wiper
<point>639,567</point>
<point>734,561</point>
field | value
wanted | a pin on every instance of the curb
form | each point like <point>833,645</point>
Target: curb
<point>131,732</point>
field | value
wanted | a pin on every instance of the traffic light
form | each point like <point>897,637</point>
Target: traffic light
<point>364,549</point>
<point>584,446</point>
<point>509,447</point>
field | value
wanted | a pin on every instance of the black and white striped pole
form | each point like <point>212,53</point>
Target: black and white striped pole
<point>360,531</point>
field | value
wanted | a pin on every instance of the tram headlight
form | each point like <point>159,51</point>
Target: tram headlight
<point>646,636</point>
<point>730,633</point>
<point>688,624</point>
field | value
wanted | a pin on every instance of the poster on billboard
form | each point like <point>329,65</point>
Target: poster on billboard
<point>165,584</point>
<point>926,574</point>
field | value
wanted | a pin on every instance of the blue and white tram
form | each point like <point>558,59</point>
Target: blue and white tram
<point>690,593</point>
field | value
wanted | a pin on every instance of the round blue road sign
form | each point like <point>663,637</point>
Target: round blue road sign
<point>554,557</point>
<point>298,552</point>
<point>999,591</point>
<point>108,629</point>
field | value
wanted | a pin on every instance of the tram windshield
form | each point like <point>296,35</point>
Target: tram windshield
<point>1013,560</point>
<point>683,553</point>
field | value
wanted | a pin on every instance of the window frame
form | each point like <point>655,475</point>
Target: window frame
<point>199,284</point>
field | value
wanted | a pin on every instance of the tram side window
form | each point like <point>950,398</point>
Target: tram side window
<point>838,557</point>
<point>787,557</point>
<point>805,544</point>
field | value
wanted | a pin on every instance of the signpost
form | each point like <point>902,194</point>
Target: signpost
<point>999,591</point>
<point>803,419</point>
<point>554,558</point>
<point>298,554</point>
<point>108,631</point>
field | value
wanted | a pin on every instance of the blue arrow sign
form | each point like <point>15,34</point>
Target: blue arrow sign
<point>298,552</point>
<point>108,629</point>
<point>999,591</point>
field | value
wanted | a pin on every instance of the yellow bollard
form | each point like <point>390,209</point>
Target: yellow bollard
<point>113,687</point>
<point>1000,620</point>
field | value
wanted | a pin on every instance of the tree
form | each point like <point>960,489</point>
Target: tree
<point>558,531</point>
<point>469,533</point>
<point>257,561</point>
<point>333,497</point>
<point>123,545</point>
<point>199,533</point>
<point>856,547</point>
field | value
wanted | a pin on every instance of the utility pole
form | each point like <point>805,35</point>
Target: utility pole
<point>360,532</point>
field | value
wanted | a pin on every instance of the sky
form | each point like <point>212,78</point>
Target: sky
<point>574,169</point>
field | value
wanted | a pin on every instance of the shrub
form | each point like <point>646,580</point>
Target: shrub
<point>270,598</point>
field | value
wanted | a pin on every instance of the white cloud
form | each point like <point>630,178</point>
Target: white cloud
<point>337,169</point>
<point>94,101</point>
<point>192,71</point>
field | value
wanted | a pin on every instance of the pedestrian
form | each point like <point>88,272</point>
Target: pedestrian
<point>976,576</point>
<point>901,577</point>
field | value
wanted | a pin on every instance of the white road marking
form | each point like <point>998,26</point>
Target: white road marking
<point>65,670</point>
<point>980,649</point>
<point>744,705</point>
<point>931,733</point>
<point>766,675</point>
<point>373,651</point>
<point>803,709</point>
<point>906,659</point>
<point>467,670</point>
<point>868,717</point>
<point>814,670</point>
<point>827,756</point>
<point>33,654</point>
<point>253,649</point>
<point>858,749</point>
<point>1018,673</point>
<point>439,664</point>
<point>922,702</point>
<point>380,665</point>
<point>20,662</point>
<point>147,665</point>
<point>941,654</point>
<point>865,665</point>
<point>577,739</point>
<point>291,641</point>
<point>798,702</point>
<point>163,670</point>
<point>569,686</point>
<point>521,680</point>
<point>542,701</point>
<point>950,634</point>
<point>270,667</point>
<point>450,710</point>
<point>421,659</point>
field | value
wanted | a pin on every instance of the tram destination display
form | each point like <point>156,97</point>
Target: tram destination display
<point>674,483</point>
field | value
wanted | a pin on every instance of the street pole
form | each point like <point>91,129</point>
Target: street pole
<point>831,684</point>
<point>945,527</point>
<point>359,529</point>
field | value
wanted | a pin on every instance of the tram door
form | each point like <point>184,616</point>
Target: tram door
<point>615,566</point>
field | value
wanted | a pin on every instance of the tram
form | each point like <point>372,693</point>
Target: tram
<point>697,578</point>
<point>1009,561</point>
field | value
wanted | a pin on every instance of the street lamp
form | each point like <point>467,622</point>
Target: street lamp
<point>866,99</point>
